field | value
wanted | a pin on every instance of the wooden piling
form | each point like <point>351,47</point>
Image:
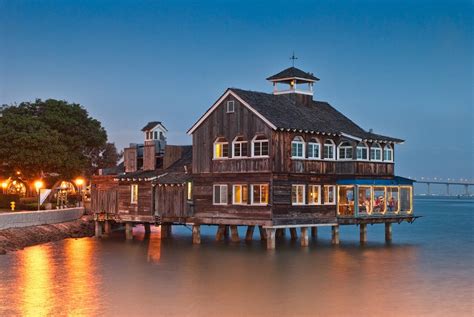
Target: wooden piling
<point>388,232</point>
<point>129,230</point>
<point>270,233</point>
<point>107,228</point>
<point>304,237</point>
<point>165,230</point>
<point>234,234</point>
<point>293,233</point>
<point>220,233</point>
<point>314,232</point>
<point>263,233</point>
<point>363,233</point>
<point>196,234</point>
<point>226,232</point>
<point>147,227</point>
<point>98,229</point>
<point>249,234</point>
<point>335,235</point>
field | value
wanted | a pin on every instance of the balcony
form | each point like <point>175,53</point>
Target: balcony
<point>350,168</point>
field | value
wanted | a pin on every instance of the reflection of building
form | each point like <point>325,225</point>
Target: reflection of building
<point>280,160</point>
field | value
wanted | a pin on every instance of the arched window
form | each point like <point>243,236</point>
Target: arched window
<point>376,152</point>
<point>388,153</point>
<point>239,147</point>
<point>259,146</point>
<point>314,149</point>
<point>362,151</point>
<point>297,147</point>
<point>345,151</point>
<point>329,150</point>
<point>221,148</point>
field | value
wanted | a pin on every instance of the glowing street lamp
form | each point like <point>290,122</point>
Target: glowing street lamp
<point>4,186</point>
<point>80,183</point>
<point>38,185</point>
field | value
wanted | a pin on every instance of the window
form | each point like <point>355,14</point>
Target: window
<point>329,194</point>
<point>297,194</point>
<point>297,147</point>
<point>346,201</point>
<point>345,151</point>
<point>221,148</point>
<point>314,194</point>
<point>392,199</point>
<point>375,152</point>
<point>259,194</point>
<point>230,106</point>
<point>240,195</point>
<point>189,191</point>
<point>313,150</point>
<point>365,199</point>
<point>406,199</point>
<point>156,135</point>
<point>362,151</point>
<point>239,147</point>
<point>328,152</point>
<point>378,205</point>
<point>148,137</point>
<point>220,195</point>
<point>388,153</point>
<point>259,146</point>
<point>134,193</point>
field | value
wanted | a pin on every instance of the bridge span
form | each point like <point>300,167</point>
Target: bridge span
<point>448,183</point>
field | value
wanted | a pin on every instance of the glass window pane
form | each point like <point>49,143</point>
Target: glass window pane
<point>392,199</point>
<point>405,199</point>
<point>365,198</point>
<point>379,200</point>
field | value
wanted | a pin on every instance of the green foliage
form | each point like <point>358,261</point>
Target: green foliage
<point>109,156</point>
<point>50,136</point>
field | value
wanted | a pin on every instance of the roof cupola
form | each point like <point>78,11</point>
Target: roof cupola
<point>295,81</point>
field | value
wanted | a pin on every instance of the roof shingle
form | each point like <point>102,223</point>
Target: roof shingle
<point>292,72</point>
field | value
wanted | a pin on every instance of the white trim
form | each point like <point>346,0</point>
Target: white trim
<point>319,194</point>
<point>319,151</point>
<point>390,148</point>
<point>241,188</point>
<point>298,140</point>
<point>288,78</point>
<point>254,139</point>
<point>345,147</point>
<point>351,137</point>
<point>241,143</point>
<point>214,149</point>
<point>220,194</point>
<point>296,186</point>
<point>293,91</point>
<point>251,194</point>
<point>334,149</point>
<point>334,193</point>
<point>218,102</point>
<point>363,145</point>
<point>379,148</point>
<point>230,102</point>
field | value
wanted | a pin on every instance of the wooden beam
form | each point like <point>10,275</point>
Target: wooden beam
<point>129,230</point>
<point>196,234</point>
<point>314,232</point>
<point>220,233</point>
<point>270,233</point>
<point>363,233</point>
<point>234,234</point>
<point>263,233</point>
<point>304,237</point>
<point>302,225</point>
<point>388,232</point>
<point>107,228</point>
<point>226,232</point>
<point>249,234</point>
<point>147,228</point>
<point>98,229</point>
<point>293,233</point>
<point>335,235</point>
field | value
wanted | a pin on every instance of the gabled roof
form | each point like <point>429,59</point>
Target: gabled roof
<point>284,113</point>
<point>151,125</point>
<point>293,72</point>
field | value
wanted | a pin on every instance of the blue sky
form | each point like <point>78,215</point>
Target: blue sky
<point>403,68</point>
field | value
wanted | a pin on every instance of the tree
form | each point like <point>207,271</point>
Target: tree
<point>109,156</point>
<point>50,136</point>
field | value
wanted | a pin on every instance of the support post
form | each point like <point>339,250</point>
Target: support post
<point>249,234</point>
<point>388,232</point>
<point>466,190</point>
<point>363,233</point>
<point>293,233</point>
<point>278,233</point>
<point>98,229</point>
<point>263,233</point>
<point>234,234</point>
<point>314,232</point>
<point>270,238</point>
<point>196,234</point>
<point>147,228</point>
<point>129,230</point>
<point>220,233</point>
<point>304,237</point>
<point>226,232</point>
<point>335,235</point>
<point>107,227</point>
<point>165,230</point>
<point>447,189</point>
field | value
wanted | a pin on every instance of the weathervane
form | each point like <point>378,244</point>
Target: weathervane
<point>293,58</point>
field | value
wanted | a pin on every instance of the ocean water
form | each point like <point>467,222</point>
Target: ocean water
<point>428,270</point>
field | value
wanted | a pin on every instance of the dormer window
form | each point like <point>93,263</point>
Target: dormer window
<point>375,152</point>
<point>260,146</point>
<point>297,147</point>
<point>362,151</point>
<point>329,150</point>
<point>345,151</point>
<point>230,106</point>
<point>239,147</point>
<point>314,151</point>
<point>221,148</point>
<point>388,153</point>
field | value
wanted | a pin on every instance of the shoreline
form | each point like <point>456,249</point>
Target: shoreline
<point>14,239</point>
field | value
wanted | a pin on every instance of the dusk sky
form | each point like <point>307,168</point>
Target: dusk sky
<point>403,68</point>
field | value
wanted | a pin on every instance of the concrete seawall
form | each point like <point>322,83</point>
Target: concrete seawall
<point>37,218</point>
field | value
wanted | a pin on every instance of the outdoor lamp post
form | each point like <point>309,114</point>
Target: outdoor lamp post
<point>80,183</point>
<point>4,186</point>
<point>38,185</point>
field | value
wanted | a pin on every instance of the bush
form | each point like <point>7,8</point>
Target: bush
<point>6,199</point>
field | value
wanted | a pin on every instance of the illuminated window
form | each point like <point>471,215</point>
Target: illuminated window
<point>392,199</point>
<point>220,195</point>
<point>378,205</point>
<point>259,194</point>
<point>314,194</point>
<point>240,194</point>
<point>297,194</point>
<point>134,193</point>
<point>345,151</point>
<point>329,194</point>
<point>230,106</point>
<point>189,192</point>
<point>365,199</point>
<point>221,148</point>
<point>260,146</point>
<point>313,150</point>
<point>239,147</point>
<point>345,201</point>
<point>297,147</point>
<point>406,199</point>
<point>362,151</point>
<point>328,152</point>
<point>375,152</point>
<point>388,153</point>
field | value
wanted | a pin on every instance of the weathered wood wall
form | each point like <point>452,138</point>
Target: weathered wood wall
<point>172,154</point>
<point>144,204</point>
<point>130,159</point>
<point>104,196</point>
<point>171,201</point>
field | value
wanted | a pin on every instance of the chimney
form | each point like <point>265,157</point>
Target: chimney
<point>149,156</point>
<point>130,158</point>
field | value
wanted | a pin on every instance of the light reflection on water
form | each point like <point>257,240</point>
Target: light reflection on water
<point>428,270</point>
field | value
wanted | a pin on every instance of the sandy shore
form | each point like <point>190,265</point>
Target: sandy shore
<point>18,238</point>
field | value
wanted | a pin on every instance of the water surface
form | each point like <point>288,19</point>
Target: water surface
<point>428,269</point>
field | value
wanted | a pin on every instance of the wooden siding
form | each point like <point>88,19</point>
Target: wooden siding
<point>243,123</point>
<point>144,204</point>
<point>171,202</point>
<point>130,159</point>
<point>172,154</point>
<point>104,194</point>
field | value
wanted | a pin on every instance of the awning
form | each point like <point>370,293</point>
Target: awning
<point>396,181</point>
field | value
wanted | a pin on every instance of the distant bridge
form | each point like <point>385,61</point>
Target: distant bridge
<point>447,182</point>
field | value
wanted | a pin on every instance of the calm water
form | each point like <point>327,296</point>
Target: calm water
<point>427,270</point>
